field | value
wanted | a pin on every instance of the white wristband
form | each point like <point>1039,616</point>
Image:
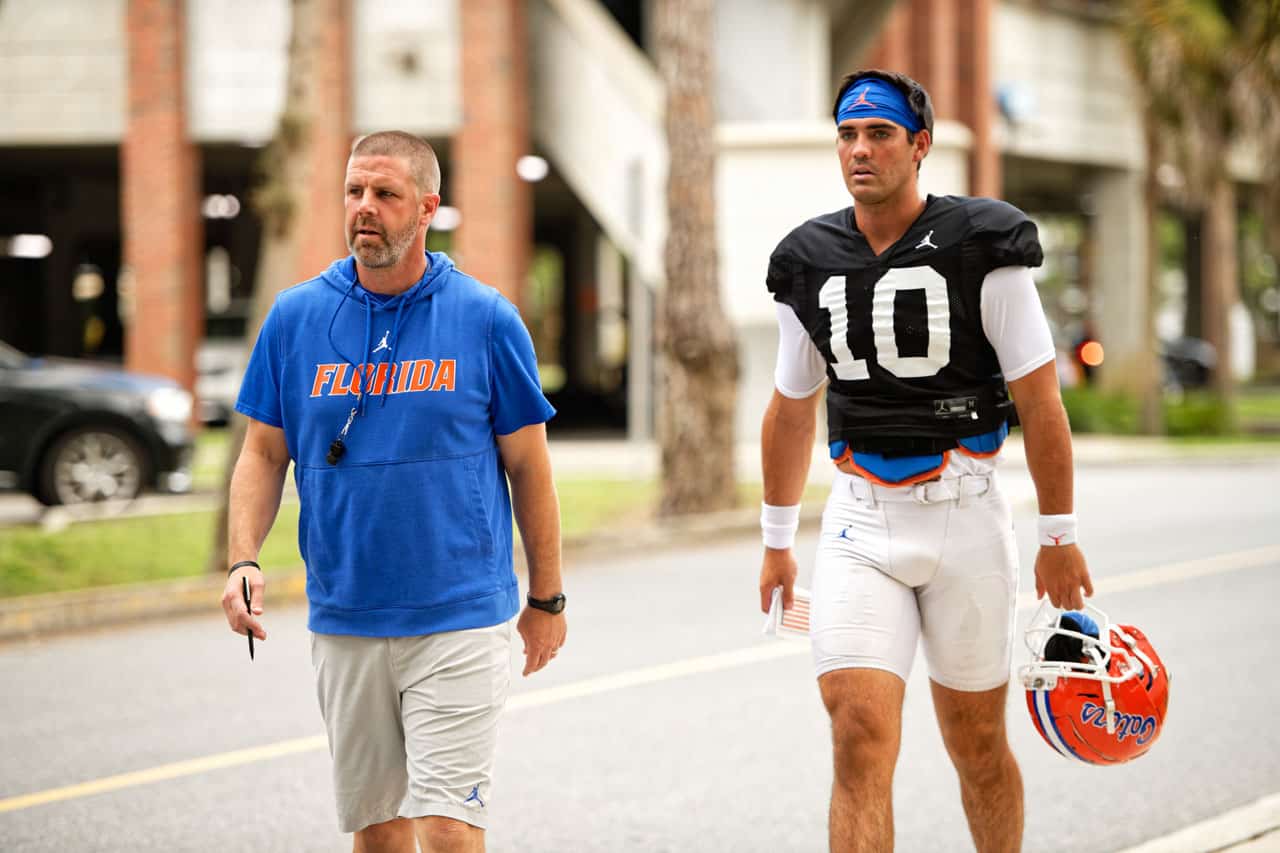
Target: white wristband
<point>1057,529</point>
<point>778,524</point>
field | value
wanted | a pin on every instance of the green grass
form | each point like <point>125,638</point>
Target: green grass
<point>1259,406</point>
<point>209,458</point>
<point>1195,416</point>
<point>124,550</point>
<point>132,550</point>
<point>588,505</point>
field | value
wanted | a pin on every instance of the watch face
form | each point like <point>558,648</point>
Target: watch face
<point>554,604</point>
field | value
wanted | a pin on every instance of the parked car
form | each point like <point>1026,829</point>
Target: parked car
<point>75,432</point>
<point>1188,362</point>
<point>220,365</point>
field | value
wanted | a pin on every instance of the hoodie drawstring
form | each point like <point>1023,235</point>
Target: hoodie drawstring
<point>334,319</point>
<point>337,449</point>
<point>395,342</point>
<point>367,384</point>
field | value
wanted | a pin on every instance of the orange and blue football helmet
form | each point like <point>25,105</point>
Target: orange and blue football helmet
<point>1097,692</point>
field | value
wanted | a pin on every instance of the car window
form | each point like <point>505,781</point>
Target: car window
<point>10,357</point>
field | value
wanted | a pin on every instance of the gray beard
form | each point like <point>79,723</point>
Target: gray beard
<point>388,254</point>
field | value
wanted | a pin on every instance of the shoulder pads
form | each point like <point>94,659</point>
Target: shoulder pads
<point>1008,235</point>
<point>801,246</point>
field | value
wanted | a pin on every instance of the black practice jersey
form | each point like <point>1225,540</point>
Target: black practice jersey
<point>911,369</point>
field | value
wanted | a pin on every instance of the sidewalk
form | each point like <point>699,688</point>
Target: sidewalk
<point>608,457</point>
<point>1254,828</point>
<point>622,459</point>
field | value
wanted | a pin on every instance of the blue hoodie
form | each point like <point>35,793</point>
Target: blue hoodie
<point>410,532</point>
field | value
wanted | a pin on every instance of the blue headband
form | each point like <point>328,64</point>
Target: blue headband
<point>871,97</point>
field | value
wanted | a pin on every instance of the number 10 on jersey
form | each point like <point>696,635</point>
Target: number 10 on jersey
<point>885,341</point>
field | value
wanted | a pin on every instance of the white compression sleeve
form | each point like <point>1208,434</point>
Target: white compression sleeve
<point>800,369</point>
<point>1013,320</point>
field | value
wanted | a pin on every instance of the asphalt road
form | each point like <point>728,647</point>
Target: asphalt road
<point>669,723</point>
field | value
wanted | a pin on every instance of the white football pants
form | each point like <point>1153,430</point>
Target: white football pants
<point>935,561</point>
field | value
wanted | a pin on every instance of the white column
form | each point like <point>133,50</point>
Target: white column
<point>1121,303</point>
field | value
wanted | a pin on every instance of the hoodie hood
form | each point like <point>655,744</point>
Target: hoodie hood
<point>342,276</point>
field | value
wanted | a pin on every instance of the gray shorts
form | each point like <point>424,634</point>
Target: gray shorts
<point>412,721</point>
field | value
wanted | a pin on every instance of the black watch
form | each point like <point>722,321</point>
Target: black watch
<point>554,604</point>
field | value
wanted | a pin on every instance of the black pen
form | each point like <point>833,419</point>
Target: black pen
<point>247,601</point>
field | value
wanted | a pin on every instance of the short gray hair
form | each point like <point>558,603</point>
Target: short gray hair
<point>423,164</point>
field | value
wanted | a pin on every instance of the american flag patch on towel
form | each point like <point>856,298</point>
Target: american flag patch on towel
<point>792,621</point>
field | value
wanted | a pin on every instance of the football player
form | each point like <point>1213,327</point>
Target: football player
<point>920,317</point>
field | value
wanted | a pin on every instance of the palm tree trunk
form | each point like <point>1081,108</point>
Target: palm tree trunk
<point>699,351</point>
<point>285,168</point>
<point>1147,382</point>
<point>1220,279</point>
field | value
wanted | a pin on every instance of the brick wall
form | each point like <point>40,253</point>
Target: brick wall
<point>935,47</point>
<point>320,219</point>
<point>163,234</point>
<point>946,45</point>
<point>493,242</point>
<point>976,88</point>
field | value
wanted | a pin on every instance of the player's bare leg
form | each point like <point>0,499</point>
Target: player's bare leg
<point>393,836</point>
<point>445,835</point>
<point>866,728</point>
<point>973,728</point>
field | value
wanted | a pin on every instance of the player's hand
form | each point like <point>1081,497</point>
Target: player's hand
<point>779,569</point>
<point>238,616</point>
<point>1061,572</point>
<point>543,634</point>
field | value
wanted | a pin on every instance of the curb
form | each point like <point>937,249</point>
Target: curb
<point>1237,830</point>
<point>33,617</point>
<point>36,616</point>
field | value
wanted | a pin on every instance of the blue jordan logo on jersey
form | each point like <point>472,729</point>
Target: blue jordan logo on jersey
<point>474,796</point>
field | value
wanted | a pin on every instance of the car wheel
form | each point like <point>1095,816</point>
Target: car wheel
<point>91,464</point>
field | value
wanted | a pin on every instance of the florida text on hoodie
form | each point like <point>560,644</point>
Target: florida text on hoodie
<point>410,532</point>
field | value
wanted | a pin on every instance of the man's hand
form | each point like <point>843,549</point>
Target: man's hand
<point>779,569</point>
<point>238,617</point>
<point>1061,572</point>
<point>543,634</point>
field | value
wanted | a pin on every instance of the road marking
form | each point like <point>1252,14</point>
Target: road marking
<point>654,674</point>
<point>1219,833</point>
<point>165,771</point>
<point>532,699</point>
<point>1171,573</point>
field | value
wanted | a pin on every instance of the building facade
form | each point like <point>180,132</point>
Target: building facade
<point>130,132</point>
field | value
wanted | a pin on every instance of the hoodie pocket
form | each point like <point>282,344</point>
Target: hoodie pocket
<point>410,534</point>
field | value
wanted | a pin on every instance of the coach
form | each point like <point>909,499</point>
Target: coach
<point>406,394</point>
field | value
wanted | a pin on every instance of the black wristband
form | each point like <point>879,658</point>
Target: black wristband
<point>235,566</point>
